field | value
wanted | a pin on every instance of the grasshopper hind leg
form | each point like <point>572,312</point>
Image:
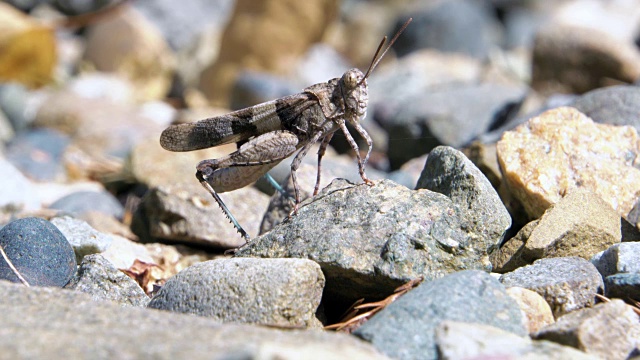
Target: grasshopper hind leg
<point>224,208</point>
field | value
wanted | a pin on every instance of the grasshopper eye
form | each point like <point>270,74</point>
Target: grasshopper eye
<point>351,78</point>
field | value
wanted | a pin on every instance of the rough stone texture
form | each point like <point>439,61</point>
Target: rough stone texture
<point>369,240</point>
<point>99,278</point>
<point>84,239</point>
<point>265,36</point>
<point>449,172</point>
<point>406,328</point>
<point>609,330</point>
<point>39,251</point>
<point>509,256</point>
<point>484,157</point>
<point>571,59</point>
<point>614,105</point>
<point>623,286</point>
<point>279,292</point>
<point>562,149</point>
<point>185,212</point>
<point>60,324</point>
<point>128,44</point>
<point>580,224</point>
<point>567,284</point>
<point>619,258</point>
<point>460,340</point>
<point>536,310</point>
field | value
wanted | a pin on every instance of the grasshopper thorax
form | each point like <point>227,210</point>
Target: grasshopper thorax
<point>355,92</point>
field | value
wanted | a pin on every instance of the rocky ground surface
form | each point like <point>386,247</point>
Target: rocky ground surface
<point>502,223</point>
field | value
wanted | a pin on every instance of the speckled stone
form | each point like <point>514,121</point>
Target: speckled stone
<point>39,251</point>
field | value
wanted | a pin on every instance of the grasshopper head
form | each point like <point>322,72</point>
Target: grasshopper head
<point>356,94</point>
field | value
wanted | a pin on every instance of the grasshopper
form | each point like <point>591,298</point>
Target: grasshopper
<point>270,132</point>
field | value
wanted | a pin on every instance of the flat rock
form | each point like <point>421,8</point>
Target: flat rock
<point>609,330</point>
<point>123,253</point>
<point>39,252</point>
<point>185,212</point>
<point>80,202</point>
<point>449,172</point>
<point>623,286</point>
<point>567,284</point>
<point>84,239</point>
<point>462,340</point>
<point>99,278</point>
<point>537,312</point>
<point>406,328</point>
<point>277,292</point>
<point>559,64</point>
<point>53,323</point>
<point>562,149</point>
<point>619,258</point>
<point>16,190</point>
<point>369,240</point>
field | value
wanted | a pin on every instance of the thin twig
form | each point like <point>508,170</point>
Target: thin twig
<point>13,268</point>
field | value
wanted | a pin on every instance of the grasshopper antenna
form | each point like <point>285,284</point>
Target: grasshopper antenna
<point>376,59</point>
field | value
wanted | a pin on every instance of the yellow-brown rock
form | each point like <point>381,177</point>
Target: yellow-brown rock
<point>27,49</point>
<point>266,36</point>
<point>537,312</point>
<point>126,43</point>
<point>563,149</point>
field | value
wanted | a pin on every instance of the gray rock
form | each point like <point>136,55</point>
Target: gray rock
<point>449,172</point>
<point>451,115</point>
<point>39,251</point>
<point>61,324</point>
<point>84,239</point>
<point>619,258</point>
<point>252,87</point>
<point>278,292</point>
<point>186,213</point>
<point>82,202</point>
<point>6,129</point>
<point>406,329</point>
<point>623,286</point>
<point>466,27</point>
<point>460,340</point>
<point>369,240</point>
<point>609,330</point>
<point>49,145</point>
<point>567,283</point>
<point>615,105</point>
<point>99,278</point>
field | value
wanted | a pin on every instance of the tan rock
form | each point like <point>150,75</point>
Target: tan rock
<point>484,157</point>
<point>128,44</point>
<point>609,330</point>
<point>562,149</point>
<point>572,59</point>
<point>581,224</point>
<point>536,310</point>
<point>265,36</point>
<point>29,53</point>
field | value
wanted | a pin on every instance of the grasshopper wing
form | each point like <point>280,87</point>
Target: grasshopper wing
<point>237,126</point>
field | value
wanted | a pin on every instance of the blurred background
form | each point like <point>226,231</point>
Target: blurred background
<point>86,87</point>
